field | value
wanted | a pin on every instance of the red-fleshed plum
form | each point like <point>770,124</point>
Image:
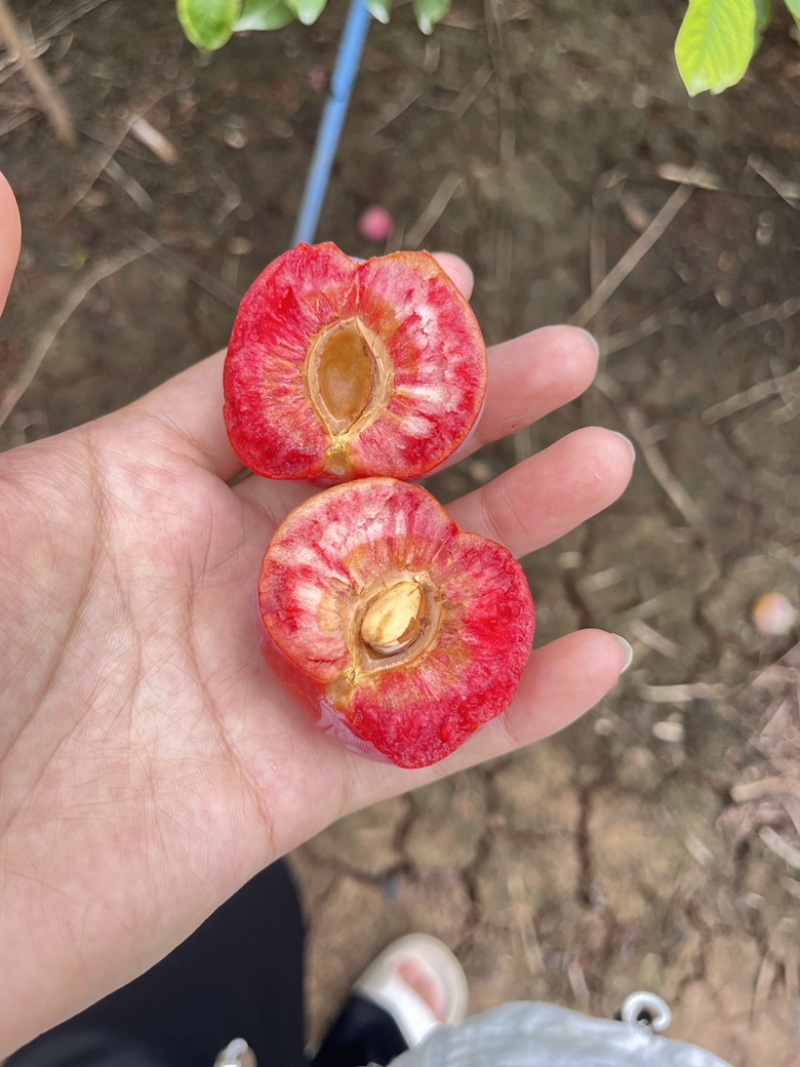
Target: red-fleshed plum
<point>401,633</point>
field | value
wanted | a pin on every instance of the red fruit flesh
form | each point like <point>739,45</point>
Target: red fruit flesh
<point>340,370</point>
<point>402,633</point>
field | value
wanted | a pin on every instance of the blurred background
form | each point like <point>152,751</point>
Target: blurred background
<point>656,844</point>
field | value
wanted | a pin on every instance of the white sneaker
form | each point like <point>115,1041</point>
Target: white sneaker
<point>384,983</point>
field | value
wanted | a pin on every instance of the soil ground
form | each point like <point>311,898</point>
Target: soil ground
<point>656,844</point>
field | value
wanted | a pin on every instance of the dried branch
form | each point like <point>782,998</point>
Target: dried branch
<point>682,694</point>
<point>630,260</point>
<point>636,427</point>
<point>104,269</point>
<point>180,265</point>
<point>764,787</point>
<point>754,395</point>
<point>434,211</point>
<point>50,99</point>
<point>786,190</point>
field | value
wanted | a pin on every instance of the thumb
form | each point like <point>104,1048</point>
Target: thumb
<point>10,237</point>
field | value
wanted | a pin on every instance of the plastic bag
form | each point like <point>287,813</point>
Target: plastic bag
<point>544,1035</point>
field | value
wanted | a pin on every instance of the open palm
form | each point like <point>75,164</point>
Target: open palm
<point>149,762</point>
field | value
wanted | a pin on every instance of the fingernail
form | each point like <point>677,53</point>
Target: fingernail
<point>627,649</point>
<point>628,442</point>
<point>591,337</point>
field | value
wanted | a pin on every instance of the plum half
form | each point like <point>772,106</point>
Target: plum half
<point>338,369</point>
<point>402,633</point>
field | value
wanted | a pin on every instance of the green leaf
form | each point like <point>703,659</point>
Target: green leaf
<point>794,8</point>
<point>263,15</point>
<point>763,15</point>
<point>429,12</point>
<point>308,11</point>
<point>715,44</point>
<point>208,23</point>
<point>379,9</point>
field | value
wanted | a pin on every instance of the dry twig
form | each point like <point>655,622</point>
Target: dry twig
<point>470,93</point>
<point>70,15</point>
<point>395,110</point>
<point>232,197</point>
<point>636,427</point>
<point>66,18</point>
<point>629,261</point>
<point>764,787</point>
<point>757,317</point>
<point>50,99</point>
<point>146,134</point>
<point>110,150</point>
<point>681,694</point>
<point>434,211</point>
<point>786,190</point>
<point>134,190</point>
<point>598,263</point>
<point>176,262</point>
<point>775,843</point>
<point>104,269</point>
<point>697,176</point>
<point>100,165</point>
<point>754,395</point>
<point>14,121</point>
<point>669,313</point>
<point>655,640</point>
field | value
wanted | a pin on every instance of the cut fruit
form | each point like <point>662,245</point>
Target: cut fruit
<point>340,370</point>
<point>402,633</point>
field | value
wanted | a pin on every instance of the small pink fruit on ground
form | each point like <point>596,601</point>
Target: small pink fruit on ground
<point>774,615</point>
<point>401,633</point>
<point>375,224</point>
<point>340,370</point>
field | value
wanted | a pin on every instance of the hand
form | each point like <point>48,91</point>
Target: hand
<point>149,763</point>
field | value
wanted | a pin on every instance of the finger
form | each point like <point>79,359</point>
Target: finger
<point>562,681</point>
<point>527,507</point>
<point>458,271</point>
<point>10,238</point>
<point>551,493</point>
<point>531,376</point>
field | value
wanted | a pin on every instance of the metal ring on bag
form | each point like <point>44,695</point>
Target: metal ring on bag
<point>647,1011</point>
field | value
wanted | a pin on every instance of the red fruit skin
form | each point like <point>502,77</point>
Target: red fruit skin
<point>433,342</point>
<point>334,546</point>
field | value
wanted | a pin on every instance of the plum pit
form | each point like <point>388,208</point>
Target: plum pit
<point>341,376</point>
<point>395,623</point>
<point>393,620</point>
<point>348,381</point>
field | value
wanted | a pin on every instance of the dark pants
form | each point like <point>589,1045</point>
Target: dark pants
<point>239,975</point>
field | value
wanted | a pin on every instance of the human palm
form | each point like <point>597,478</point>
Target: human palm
<point>149,762</point>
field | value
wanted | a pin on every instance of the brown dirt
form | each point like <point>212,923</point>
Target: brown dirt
<point>657,843</point>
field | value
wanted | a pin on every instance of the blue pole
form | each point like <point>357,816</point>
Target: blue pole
<point>344,76</point>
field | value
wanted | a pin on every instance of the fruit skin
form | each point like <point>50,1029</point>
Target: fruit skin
<point>314,577</point>
<point>428,367</point>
